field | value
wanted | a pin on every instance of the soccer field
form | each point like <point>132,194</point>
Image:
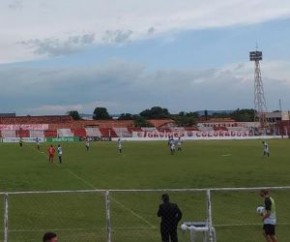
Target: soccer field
<point>142,165</point>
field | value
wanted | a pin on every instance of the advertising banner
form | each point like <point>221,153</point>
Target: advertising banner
<point>193,134</point>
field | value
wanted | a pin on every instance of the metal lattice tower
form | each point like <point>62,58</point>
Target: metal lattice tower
<point>260,101</point>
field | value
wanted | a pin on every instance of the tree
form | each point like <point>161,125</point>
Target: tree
<point>74,114</point>
<point>243,115</point>
<point>184,119</point>
<point>155,113</point>
<point>140,121</point>
<point>101,113</point>
<point>126,116</point>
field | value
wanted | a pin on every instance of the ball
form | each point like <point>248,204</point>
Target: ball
<point>260,209</point>
<point>183,226</point>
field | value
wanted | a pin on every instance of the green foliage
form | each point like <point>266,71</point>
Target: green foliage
<point>243,115</point>
<point>101,113</point>
<point>185,119</point>
<point>155,113</point>
<point>74,114</point>
<point>126,116</point>
<point>140,121</point>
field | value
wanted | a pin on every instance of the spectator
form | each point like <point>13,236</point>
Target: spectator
<point>49,237</point>
<point>170,216</point>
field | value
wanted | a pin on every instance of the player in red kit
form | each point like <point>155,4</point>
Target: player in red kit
<point>51,152</point>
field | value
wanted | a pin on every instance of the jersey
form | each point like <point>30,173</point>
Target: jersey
<point>270,208</point>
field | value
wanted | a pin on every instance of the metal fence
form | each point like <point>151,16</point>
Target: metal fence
<point>130,215</point>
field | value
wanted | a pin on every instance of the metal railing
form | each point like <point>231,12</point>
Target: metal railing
<point>130,215</point>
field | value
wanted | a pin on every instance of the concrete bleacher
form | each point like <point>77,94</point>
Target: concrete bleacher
<point>50,133</point>
<point>22,133</point>
<point>123,132</point>
<point>80,132</point>
<point>108,132</point>
<point>8,133</point>
<point>65,133</point>
<point>36,133</point>
<point>93,132</point>
<point>36,119</point>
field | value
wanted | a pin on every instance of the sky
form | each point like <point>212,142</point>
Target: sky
<point>130,55</point>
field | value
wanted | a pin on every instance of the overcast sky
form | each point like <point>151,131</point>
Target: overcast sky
<point>131,55</point>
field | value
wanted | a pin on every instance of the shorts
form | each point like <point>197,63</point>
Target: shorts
<point>269,229</point>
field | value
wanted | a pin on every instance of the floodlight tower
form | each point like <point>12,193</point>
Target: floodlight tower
<point>259,98</point>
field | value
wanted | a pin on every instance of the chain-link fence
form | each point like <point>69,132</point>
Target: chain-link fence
<point>131,215</point>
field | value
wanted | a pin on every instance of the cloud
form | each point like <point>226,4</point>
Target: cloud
<point>117,36</point>
<point>15,5</point>
<point>52,27</point>
<point>57,47</point>
<point>126,87</point>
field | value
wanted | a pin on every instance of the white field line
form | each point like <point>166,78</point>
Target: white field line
<point>135,214</point>
<point>119,203</point>
<point>81,179</point>
<point>131,228</point>
<point>116,201</point>
<point>78,229</point>
<point>248,224</point>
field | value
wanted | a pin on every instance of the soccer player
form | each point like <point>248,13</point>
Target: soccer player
<point>266,151</point>
<point>179,144</point>
<point>87,144</point>
<point>170,215</point>
<point>119,145</point>
<point>172,147</point>
<point>269,217</point>
<point>59,152</point>
<point>37,143</point>
<point>51,152</point>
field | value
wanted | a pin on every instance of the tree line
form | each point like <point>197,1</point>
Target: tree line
<point>182,119</point>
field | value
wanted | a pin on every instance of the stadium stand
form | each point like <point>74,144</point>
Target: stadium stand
<point>81,132</point>
<point>64,133</point>
<point>8,133</point>
<point>162,123</point>
<point>108,132</point>
<point>50,133</point>
<point>93,132</point>
<point>22,133</point>
<point>36,133</point>
<point>122,132</point>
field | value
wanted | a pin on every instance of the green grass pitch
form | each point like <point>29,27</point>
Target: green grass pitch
<point>142,165</point>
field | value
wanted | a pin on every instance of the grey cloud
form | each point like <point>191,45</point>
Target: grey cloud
<point>15,5</point>
<point>151,30</point>
<point>129,87</point>
<point>57,47</point>
<point>117,36</point>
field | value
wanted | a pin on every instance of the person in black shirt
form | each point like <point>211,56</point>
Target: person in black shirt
<point>170,215</point>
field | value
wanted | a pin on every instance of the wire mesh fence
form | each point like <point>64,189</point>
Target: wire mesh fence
<point>131,215</point>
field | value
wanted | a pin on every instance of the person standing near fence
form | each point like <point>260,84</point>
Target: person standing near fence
<point>269,217</point>
<point>49,237</point>
<point>170,215</point>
